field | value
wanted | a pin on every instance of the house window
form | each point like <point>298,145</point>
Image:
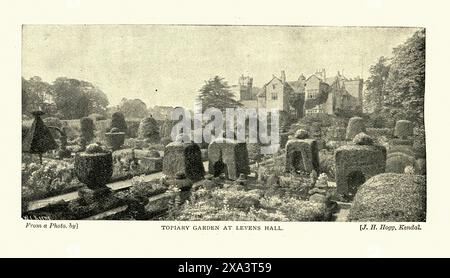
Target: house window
<point>274,86</point>
<point>312,93</point>
<point>274,96</point>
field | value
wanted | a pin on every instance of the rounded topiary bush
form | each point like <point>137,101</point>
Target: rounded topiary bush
<point>87,128</point>
<point>118,121</point>
<point>354,127</point>
<point>403,129</point>
<point>397,162</point>
<point>390,197</point>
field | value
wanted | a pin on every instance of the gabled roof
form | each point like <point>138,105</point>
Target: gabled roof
<point>313,75</point>
<point>296,86</point>
<point>274,77</point>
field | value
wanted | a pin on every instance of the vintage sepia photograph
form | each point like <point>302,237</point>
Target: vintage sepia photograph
<point>223,123</point>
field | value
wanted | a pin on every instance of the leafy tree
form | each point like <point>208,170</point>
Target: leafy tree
<point>216,94</point>
<point>406,81</point>
<point>76,98</point>
<point>36,95</point>
<point>375,85</point>
<point>133,108</point>
<point>396,87</point>
<point>296,101</point>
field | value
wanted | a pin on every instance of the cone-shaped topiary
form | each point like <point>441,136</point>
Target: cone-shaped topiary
<point>148,129</point>
<point>118,121</point>
<point>38,139</point>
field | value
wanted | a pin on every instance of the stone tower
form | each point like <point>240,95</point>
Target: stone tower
<point>245,87</point>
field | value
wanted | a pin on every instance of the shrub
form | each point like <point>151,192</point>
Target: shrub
<point>41,180</point>
<point>238,205</point>
<point>379,132</point>
<point>254,152</point>
<point>397,162</point>
<point>363,139</point>
<point>403,129</point>
<point>87,128</point>
<point>390,197</point>
<point>148,129</point>
<point>25,130</point>
<point>133,127</point>
<point>53,122</point>
<point>354,127</point>
<point>326,163</point>
<point>118,121</point>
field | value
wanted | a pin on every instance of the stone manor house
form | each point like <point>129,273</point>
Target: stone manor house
<point>315,94</point>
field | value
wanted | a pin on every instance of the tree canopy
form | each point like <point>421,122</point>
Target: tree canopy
<point>133,108</point>
<point>216,94</point>
<point>396,86</point>
<point>66,97</point>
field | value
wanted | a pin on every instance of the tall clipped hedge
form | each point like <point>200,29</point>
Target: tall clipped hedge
<point>118,121</point>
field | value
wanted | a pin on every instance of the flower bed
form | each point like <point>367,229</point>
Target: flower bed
<point>49,179</point>
<point>126,167</point>
<point>234,203</point>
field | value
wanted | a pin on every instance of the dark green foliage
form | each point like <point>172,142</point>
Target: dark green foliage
<point>362,139</point>
<point>118,121</point>
<point>149,129</point>
<point>87,128</point>
<point>326,163</point>
<point>375,84</point>
<point>94,169</point>
<point>34,95</point>
<point>216,94</point>
<point>133,108</point>
<point>25,131</point>
<point>319,99</point>
<point>39,138</point>
<point>355,126</point>
<point>397,162</point>
<point>132,128</point>
<point>53,122</point>
<point>75,99</point>
<point>396,87</point>
<point>390,197</point>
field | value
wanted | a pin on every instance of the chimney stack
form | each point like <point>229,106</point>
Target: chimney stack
<point>283,76</point>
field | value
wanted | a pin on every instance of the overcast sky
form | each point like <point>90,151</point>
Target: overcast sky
<point>167,65</point>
